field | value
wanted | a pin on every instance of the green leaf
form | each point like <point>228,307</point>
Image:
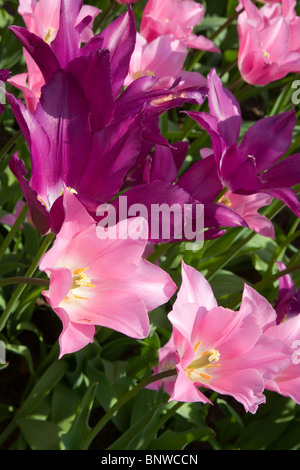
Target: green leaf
<point>64,405</point>
<point>80,428</point>
<point>40,435</point>
<point>269,424</point>
<point>171,440</point>
<point>132,439</point>
<point>114,370</point>
<point>108,394</point>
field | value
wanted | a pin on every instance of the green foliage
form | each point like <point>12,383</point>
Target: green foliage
<point>52,404</point>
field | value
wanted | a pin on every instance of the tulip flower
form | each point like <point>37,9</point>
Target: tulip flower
<point>269,46</point>
<point>288,303</point>
<point>42,18</point>
<point>176,18</point>
<point>99,277</point>
<point>252,165</point>
<point>10,219</point>
<point>84,134</point>
<point>287,382</point>
<point>247,207</point>
<point>163,58</point>
<point>218,349</point>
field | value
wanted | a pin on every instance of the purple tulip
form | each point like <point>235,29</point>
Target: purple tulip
<point>84,134</point>
<point>255,164</point>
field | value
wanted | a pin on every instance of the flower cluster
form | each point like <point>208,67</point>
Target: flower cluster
<point>90,115</point>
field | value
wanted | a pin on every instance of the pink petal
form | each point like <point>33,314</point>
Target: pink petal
<point>194,289</point>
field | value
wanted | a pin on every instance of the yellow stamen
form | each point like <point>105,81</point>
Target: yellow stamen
<point>137,75</point>
<point>41,200</point>
<point>205,376</point>
<point>196,346</point>
<point>194,370</point>
<point>165,99</point>
<point>266,54</point>
<point>80,279</point>
<point>49,35</point>
<point>225,200</point>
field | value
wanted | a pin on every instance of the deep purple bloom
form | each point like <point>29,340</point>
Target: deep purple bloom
<point>288,302</point>
<point>84,133</point>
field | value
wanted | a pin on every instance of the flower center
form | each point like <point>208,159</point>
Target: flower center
<point>202,361</point>
<point>266,54</point>
<point>80,280</point>
<point>49,37</point>
<point>225,200</point>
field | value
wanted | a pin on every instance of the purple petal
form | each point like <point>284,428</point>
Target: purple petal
<point>119,38</point>
<point>66,45</point>
<point>224,106</point>
<point>141,93</point>
<point>288,196</point>
<point>284,174</point>
<point>210,124</point>
<point>94,76</point>
<point>63,113</point>
<point>38,144</point>
<point>218,215</point>
<point>4,75</point>
<point>115,149</point>
<point>151,200</point>
<point>202,180</point>
<point>286,293</point>
<point>238,172</point>
<point>39,214</point>
<point>268,139</point>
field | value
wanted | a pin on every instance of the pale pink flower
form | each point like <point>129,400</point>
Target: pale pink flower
<point>269,41</point>
<point>176,18</point>
<point>220,349</point>
<point>247,207</point>
<point>162,58</point>
<point>43,18</point>
<point>10,219</point>
<point>287,382</point>
<point>101,281</point>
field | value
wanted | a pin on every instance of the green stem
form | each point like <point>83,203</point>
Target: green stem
<point>198,54</point>
<point>7,147</point>
<point>268,280</point>
<point>24,280</point>
<point>124,399</point>
<point>11,234</point>
<point>220,195</point>
<point>29,273</point>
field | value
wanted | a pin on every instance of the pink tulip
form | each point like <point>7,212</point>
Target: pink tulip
<point>98,276</point>
<point>162,58</point>
<point>269,41</point>
<point>176,18</point>
<point>247,207</point>
<point>219,349</point>
<point>10,219</point>
<point>42,18</point>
